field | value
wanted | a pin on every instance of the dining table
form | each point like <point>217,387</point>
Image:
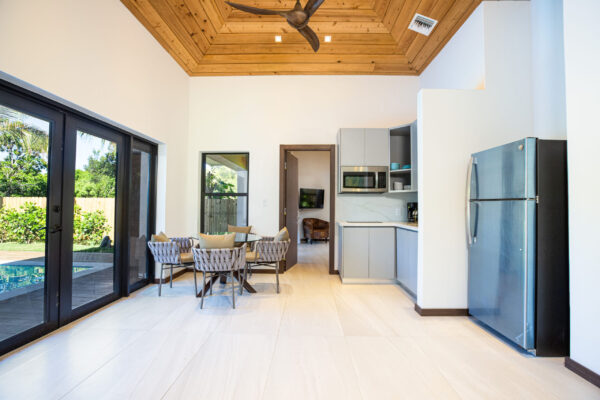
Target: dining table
<point>239,240</point>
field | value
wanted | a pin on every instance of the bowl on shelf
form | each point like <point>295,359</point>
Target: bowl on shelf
<point>394,165</point>
<point>406,166</point>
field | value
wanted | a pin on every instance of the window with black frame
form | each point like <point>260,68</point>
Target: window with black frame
<point>224,198</point>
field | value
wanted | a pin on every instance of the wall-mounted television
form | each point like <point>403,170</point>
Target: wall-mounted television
<point>311,198</point>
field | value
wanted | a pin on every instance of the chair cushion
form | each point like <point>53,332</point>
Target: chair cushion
<point>216,241</point>
<point>282,235</point>
<point>251,256</point>
<point>239,229</point>
<point>186,258</point>
<point>161,237</point>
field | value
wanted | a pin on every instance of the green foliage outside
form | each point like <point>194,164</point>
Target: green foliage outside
<point>97,179</point>
<point>23,167</point>
<point>220,179</point>
<point>24,164</point>
<point>26,225</point>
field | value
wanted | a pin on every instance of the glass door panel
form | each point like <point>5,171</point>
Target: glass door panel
<point>28,249</point>
<point>94,218</point>
<point>140,200</point>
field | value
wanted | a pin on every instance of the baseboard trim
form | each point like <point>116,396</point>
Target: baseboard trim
<point>582,371</point>
<point>441,312</point>
<point>167,277</point>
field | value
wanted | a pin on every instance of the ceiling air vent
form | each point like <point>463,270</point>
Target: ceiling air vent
<point>422,24</point>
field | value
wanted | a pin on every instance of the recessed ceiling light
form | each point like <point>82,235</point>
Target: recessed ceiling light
<point>277,38</point>
<point>327,39</point>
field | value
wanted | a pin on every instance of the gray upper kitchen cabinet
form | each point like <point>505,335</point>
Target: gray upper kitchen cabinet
<point>355,253</point>
<point>381,253</point>
<point>406,259</point>
<point>352,147</point>
<point>362,147</point>
<point>377,147</point>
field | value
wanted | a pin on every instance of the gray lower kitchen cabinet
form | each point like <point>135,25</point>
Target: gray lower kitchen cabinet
<point>368,253</point>
<point>355,253</point>
<point>377,147</point>
<point>381,253</point>
<point>406,259</point>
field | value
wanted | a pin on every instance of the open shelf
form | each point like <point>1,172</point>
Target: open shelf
<point>402,191</point>
<point>400,171</point>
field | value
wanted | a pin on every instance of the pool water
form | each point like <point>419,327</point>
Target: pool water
<point>16,276</point>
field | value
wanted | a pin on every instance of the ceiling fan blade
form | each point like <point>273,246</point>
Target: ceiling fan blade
<point>253,10</point>
<point>311,7</point>
<point>311,37</point>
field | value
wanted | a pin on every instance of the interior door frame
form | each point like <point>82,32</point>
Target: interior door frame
<point>284,149</point>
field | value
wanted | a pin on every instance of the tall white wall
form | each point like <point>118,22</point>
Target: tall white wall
<point>258,113</point>
<point>460,64</point>
<point>582,63</point>
<point>548,69</point>
<point>456,123</point>
<point>95,54</point>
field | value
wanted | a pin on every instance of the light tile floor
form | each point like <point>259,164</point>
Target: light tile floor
<point>318,339</point>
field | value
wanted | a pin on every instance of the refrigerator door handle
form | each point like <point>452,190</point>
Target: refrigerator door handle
<point>468,205</point>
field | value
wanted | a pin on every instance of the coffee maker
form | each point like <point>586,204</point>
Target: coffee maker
<point>412,212</point>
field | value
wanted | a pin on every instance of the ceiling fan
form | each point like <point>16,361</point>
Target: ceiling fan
<point>297,17</point>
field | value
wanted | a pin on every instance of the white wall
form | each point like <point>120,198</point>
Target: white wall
<point>258,113</point>
<point>582,63</point>
<point>455,123</point>
<point>548,67</point>
<point>95,54</point>
<point>313,173</point>
<point>460,64</point>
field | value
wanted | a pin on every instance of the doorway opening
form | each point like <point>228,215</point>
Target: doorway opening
<point>307,203</point>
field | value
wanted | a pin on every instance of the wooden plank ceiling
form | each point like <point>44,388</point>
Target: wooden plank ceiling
<point>207,37</point>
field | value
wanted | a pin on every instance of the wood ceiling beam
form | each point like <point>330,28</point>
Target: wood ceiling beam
<point>319,27</point>
<point>276,48</point>
<point>235,69</point>
<point>295,38</point>
<point>303,59</point>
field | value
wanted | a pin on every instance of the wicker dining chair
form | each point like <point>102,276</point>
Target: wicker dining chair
<point>268,252</point>
<point>218,262</point>
<point>172,254</point>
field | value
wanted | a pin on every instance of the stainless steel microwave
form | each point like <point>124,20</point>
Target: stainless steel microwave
<point>363,180</point>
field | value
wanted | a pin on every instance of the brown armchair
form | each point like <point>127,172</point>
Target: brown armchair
<point>315,228</point>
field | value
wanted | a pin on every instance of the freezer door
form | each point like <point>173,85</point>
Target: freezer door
<point>502,268</point>
<point>505,172</point>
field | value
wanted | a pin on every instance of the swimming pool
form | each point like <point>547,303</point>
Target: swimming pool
<point>17,276</point>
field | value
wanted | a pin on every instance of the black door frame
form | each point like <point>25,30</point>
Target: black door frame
<point>62,115</point>
<point>150,149</point>
<point>203,193</point>
<point>53,217</point>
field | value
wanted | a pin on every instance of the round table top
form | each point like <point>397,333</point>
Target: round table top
<point>240,237</point>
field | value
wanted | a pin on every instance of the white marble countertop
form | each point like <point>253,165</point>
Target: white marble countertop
<point>411,226</point>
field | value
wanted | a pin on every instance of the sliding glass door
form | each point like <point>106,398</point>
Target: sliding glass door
<point>93,182</point>
<point>141,223</point>
<point>30,218</point>
<point>76,211</point>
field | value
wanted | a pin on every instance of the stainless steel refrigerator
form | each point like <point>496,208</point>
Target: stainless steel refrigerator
<point>517,237</point>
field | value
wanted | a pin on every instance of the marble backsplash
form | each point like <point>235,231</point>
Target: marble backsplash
<point>373,207</point>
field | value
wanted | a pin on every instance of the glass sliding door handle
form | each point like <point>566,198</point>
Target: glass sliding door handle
<point>56,228</point>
